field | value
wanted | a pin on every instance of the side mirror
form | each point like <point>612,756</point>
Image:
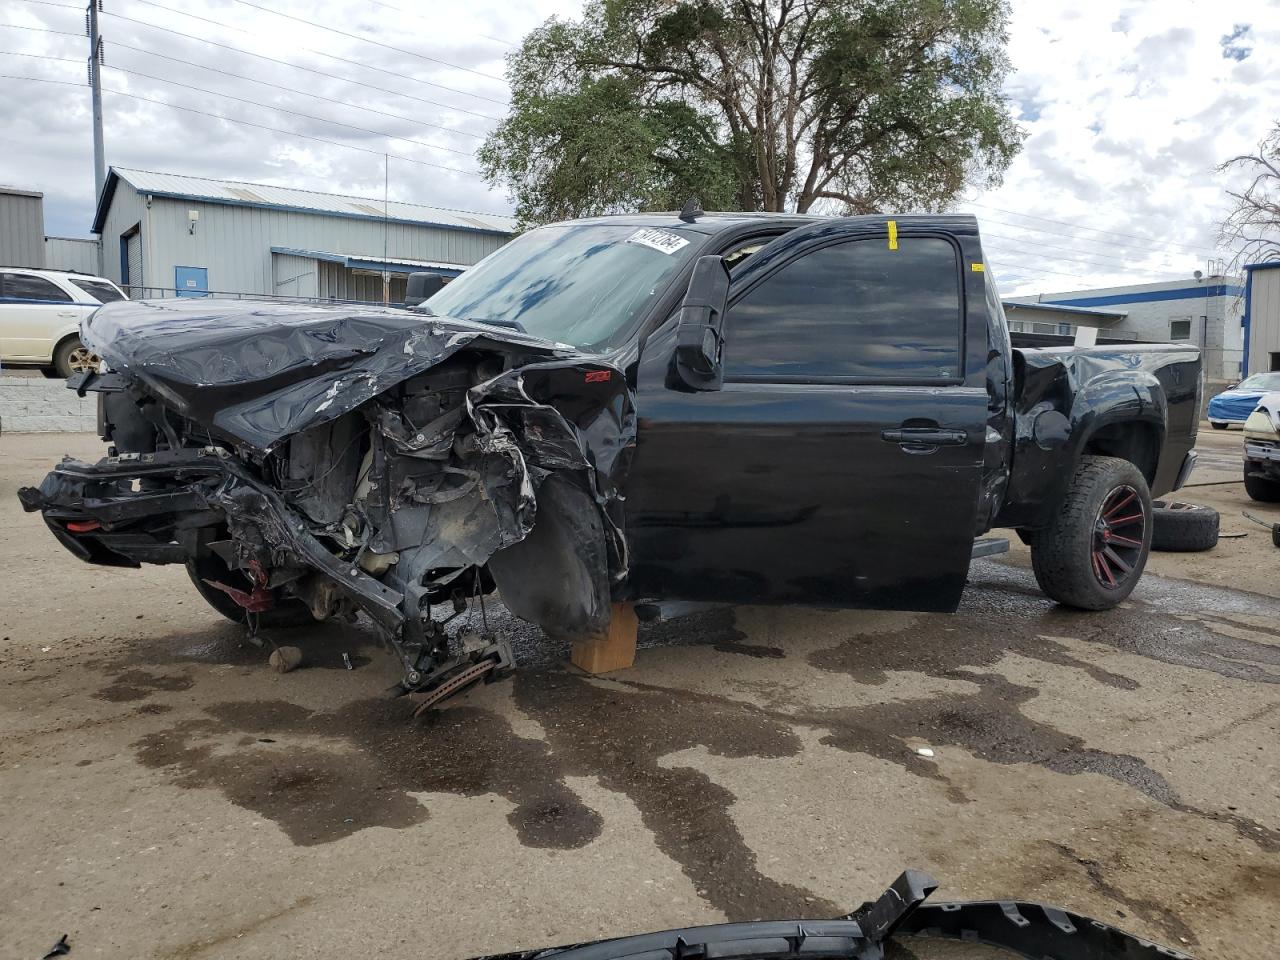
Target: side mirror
<point>422,286</point>
<point>700,325</point>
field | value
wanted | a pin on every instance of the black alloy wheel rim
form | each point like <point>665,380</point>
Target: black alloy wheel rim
<point>1119,533</point>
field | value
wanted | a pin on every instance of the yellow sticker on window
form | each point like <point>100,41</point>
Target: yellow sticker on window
<point>977,267</point>
<point>893,234</point>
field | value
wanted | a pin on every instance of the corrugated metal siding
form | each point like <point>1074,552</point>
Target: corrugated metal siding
<point>21,229</point>
<point>234,243</point>
<point>65,253</point>
<point>342,284</point>
<point>1264,318</point>
<point>127,209</point>
<point>294,276</point>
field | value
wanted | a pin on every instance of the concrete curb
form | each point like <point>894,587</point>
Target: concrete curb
<point>38,405</point>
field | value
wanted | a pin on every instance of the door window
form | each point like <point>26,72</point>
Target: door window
<point>24,286</point>
<point>852,311</point>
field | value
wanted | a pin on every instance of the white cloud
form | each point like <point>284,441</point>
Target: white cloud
<point>1127,110</point>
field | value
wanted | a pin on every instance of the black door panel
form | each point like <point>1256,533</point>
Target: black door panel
<point>805,480</point>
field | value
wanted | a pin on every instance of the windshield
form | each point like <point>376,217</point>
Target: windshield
<point>1261,381</point>
<point>580,284</point>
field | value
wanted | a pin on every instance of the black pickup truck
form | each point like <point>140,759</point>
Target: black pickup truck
<point>718,407</point>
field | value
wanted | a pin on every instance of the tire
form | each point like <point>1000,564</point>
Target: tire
<point>72,356</point>
<point>286,613</point>
<point>1092,553</point>
<point>1261,489</point>
<point>1183,527</point>
<point>1218,426</point>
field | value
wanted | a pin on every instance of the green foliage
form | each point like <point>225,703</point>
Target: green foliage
<point>756,105</point>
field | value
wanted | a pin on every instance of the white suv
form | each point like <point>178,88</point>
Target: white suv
<point>40,314</point>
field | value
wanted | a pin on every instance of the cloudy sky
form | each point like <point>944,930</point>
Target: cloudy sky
<point>1128,108</point>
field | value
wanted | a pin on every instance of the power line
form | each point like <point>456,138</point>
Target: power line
<point>319,53</point>
<point>1076,226</point>
<point>305,93</point>
<point>418,16</point>
<point>1095,242</point>
<point>1093,260</point>
<point>248,123</point>
<point>376,43</point>
<point>258,56</point>
<point>256,103</point>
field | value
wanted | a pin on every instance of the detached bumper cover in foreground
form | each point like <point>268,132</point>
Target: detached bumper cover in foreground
<point>1033,930</point>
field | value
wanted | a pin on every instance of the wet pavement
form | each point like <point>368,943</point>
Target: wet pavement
<point>164,794</point>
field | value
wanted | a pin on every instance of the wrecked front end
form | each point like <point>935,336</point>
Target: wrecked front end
<point>313,462</point>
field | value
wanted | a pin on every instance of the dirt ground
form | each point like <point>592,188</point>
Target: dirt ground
<point>164,794</point>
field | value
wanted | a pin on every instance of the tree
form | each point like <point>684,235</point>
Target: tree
<point>1252,228</point>
<point>755,105</point>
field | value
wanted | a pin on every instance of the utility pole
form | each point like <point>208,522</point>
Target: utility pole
<point>95,82</point>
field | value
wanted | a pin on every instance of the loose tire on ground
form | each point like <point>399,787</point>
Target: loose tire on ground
<point>286,613</point>
<point>72,356</point>
<point>1091,555</point>
<point>1183,527</point>
<point>1261,489</point>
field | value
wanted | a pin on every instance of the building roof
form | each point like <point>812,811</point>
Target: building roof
<point>1214,286</point>
<point>239,193</point>
<point>19,192</point>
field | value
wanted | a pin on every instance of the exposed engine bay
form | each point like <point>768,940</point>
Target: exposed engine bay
<point>308,463</point>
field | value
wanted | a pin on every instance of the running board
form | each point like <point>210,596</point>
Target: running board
<point>989,547</point>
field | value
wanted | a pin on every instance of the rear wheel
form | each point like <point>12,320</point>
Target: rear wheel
<point>1261,489</point>
<point>1094,550</point>
<point>287,612</point>
<point>72,356</point>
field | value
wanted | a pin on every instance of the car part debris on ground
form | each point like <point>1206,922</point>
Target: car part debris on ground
<point>900,915</point>
<point>1273,527</point>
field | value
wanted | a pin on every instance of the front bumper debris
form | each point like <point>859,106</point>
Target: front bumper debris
<point>1034,930</point>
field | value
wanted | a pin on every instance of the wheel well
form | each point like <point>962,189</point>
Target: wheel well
<point>1139,443</point>
<point>58,346</point>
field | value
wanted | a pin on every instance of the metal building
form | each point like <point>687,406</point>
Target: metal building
<point>21,228</point>
<point>1262,317</point>
<point>1207,311</point>
<point>166,234</point>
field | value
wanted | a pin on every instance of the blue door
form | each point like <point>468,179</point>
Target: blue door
<point>191,281</point>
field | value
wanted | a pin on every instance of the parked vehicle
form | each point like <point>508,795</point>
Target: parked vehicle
<point>40,314</point>
<point>726,407</point>
<point>1262,450</point>
<point>1235,405</point>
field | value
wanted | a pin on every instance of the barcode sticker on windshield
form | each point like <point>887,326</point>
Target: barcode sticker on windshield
<point>659,240</point>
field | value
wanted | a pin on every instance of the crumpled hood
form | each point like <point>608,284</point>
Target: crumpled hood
<point>260,371</point>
